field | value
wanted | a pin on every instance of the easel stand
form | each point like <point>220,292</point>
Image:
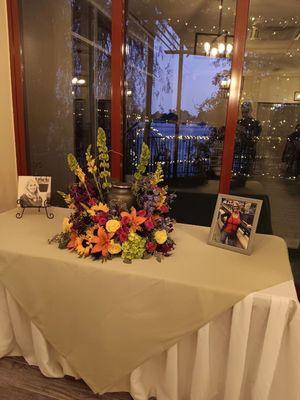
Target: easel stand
<point>45,206</point>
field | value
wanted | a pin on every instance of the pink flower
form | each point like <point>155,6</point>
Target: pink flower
<point>100,218</point>
<point>149,225</point>
<point>164,209</point>
<point>151,247</point>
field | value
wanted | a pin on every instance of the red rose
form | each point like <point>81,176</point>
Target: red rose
<point>100,218</point>
<point>164,209</point>
<point>92,202</point>
<point>122,234</point>
<point>151,247</point>
<point>125,220</point>
<point>141,213</point>
<point>149,225</point>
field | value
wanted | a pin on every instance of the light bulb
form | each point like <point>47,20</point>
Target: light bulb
<point>206,47</point>
<point>81,81</point>
<point>74,80</point>
<point>221,48</point>
<point>229,48</point>
<point>214,52</point>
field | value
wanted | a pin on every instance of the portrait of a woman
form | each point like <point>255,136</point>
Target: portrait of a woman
<point>232,221</point>
<point>31,196</point>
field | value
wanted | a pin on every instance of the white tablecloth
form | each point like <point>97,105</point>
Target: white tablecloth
<point>251,351</point>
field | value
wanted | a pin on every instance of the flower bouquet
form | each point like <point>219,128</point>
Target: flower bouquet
<point>103,228</point>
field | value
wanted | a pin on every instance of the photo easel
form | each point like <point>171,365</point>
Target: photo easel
<point>45,206</point>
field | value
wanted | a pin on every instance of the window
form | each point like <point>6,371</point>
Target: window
<point>177,88</point>
<point>267,149</point>
<point>66,55</point>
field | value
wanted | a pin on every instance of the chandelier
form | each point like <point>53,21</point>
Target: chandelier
<point>216,44</point>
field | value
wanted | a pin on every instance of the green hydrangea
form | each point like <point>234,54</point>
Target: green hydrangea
<point>134,247</point>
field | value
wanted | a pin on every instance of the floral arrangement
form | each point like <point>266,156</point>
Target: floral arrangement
<point>104,229</point>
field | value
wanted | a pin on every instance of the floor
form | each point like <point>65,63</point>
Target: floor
<point>19,381</point>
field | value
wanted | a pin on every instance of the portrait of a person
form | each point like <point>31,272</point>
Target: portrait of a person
<point>231,222</point>
<point>31,196</point>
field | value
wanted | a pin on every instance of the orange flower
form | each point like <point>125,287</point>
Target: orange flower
<point>73,241</point>
<point>103,242</point>
<point>135,220</point>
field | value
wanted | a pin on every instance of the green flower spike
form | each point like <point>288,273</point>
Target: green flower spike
<point>103,159</point>
<point>77,170</point>
<point>92,168</point>
<point>142,165</point>
<point>158,174</point>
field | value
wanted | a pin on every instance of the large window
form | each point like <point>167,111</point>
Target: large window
<point>178,66</point>
<point>66,55</point>
<point>267,149</point>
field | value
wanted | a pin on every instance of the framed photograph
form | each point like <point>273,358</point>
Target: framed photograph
<point>34,191</point>
<point>297,96</point>
<point>234,223</point>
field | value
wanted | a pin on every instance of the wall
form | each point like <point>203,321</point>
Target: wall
<point>8,172</point>
<point>275,88</point>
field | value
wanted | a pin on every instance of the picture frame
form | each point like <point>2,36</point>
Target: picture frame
<point>34,192</point>
<point>234,223</point>
<point>297,95</point>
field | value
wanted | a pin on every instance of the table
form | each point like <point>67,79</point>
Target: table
<point>214,359</point>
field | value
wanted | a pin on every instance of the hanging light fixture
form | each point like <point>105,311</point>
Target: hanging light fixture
<point>229,49</point>
<point>206,47</point>
<point>219,45</point>
<point>214,52</point>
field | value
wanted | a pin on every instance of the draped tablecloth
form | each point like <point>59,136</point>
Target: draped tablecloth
<point>250,352</point>
<point>107,319</point>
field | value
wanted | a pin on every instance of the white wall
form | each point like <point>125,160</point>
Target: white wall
<point>275,88</point>
<point>8,171</point>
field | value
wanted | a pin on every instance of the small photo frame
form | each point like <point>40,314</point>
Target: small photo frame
<point>297,96</point>
<point>234,223</point>
<point>34,191</point>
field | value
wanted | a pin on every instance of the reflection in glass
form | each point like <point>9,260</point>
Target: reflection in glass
<point>176,93</point>
<point>66,55</point>
<point>267,150</point>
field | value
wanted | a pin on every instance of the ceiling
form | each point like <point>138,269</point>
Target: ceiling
<point>273,29</point>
